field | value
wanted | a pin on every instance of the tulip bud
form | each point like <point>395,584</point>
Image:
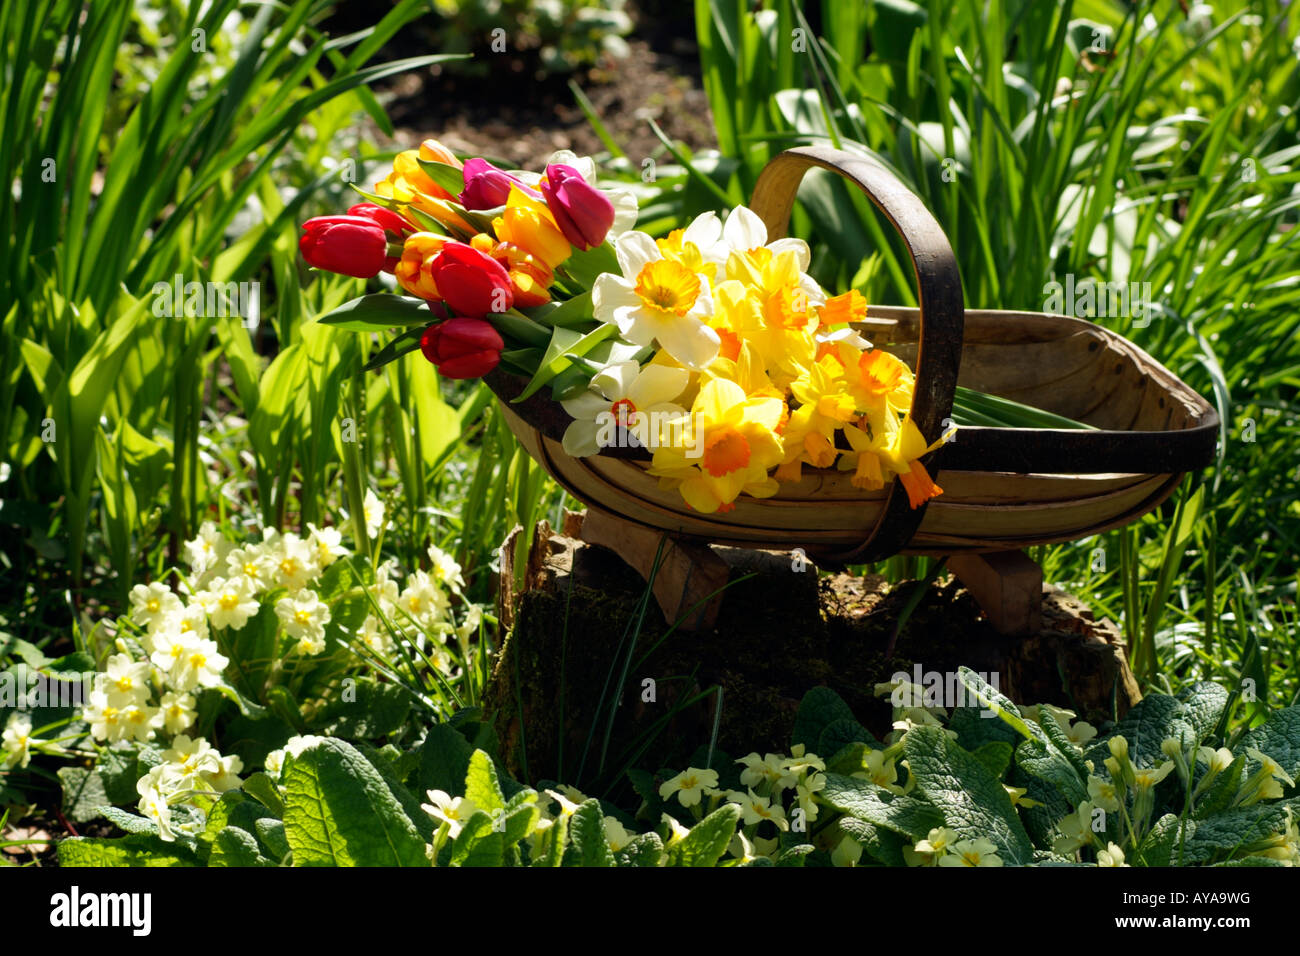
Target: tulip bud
<point>392,223</point>
<point>413,271</point>
<point>349,245</point>
<point>583,213</point>
<point>470,282</point>
<point>487,187</point>
<point>462,348</point>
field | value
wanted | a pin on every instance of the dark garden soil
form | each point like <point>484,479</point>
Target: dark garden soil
<point>516,112</point>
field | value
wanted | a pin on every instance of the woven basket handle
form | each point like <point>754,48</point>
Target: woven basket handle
<point>938,287</point>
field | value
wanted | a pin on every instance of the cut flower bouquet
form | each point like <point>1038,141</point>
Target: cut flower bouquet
<point>712,348</point>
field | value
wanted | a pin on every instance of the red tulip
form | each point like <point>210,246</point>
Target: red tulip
<point>583,213</point>
<point>471,283</point>
<point>349,245</point>
<point>462,348</point>
<point>391,222</point>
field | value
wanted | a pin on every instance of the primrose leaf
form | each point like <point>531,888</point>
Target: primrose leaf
<point>340,811</point>
<point>971,800</point>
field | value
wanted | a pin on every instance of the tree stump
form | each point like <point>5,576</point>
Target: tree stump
<point>780,628</point>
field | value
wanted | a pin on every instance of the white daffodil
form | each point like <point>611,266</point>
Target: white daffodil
<point>744,232</point>
<point>629,397</point>
<point>228,602</point>
<point>658,299</point>
<point>304,616</point>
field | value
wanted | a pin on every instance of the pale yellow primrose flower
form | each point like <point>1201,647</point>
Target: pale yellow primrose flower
<point>756,809</point>
<point>453,811</point>
<point>758,770</point>
<point>1111,856</point>
<point>1076,830</point>
<point>1102,793</point>
<point>689,785</point>
<point>979,852</point>
<point>615,835</point>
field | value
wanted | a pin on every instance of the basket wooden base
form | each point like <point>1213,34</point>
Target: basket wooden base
<point>690,578</point>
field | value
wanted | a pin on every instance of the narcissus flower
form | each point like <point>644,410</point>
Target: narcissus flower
<point>583,213</point>
<point>470,282</point>
<point>728,446</point>
<point>909,445</point>
<point>625,396</point>
<point>349,245</point>
<point>657,299</point>
<point>839,309</point>
<point>462,348</point>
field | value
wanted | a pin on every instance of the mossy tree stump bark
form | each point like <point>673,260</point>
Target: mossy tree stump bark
<point>575,655</point>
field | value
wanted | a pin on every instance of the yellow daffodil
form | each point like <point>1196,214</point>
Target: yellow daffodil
<point>728,446</point>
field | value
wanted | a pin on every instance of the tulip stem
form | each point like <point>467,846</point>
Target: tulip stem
<point>517,326</point>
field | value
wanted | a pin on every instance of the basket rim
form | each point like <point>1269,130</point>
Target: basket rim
<point>993,449</point>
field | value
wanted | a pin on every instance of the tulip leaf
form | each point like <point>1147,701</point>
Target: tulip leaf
<point>570,314</point>
<point>566,346</point>
<point>585,267</point>
<point>408,341</point>
<point>381,310</point>
<point>445,175</point>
